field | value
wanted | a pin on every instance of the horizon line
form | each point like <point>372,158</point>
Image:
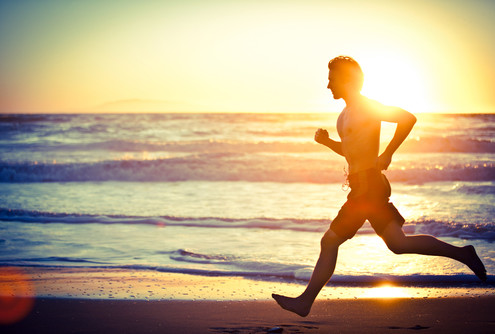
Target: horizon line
<point>73,112</point>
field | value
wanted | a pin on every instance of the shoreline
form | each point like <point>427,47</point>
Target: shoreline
<point>123,284</point>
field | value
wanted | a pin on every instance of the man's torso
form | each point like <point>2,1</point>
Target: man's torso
<point>359,129</point>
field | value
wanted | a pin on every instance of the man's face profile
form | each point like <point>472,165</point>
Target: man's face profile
<point>336,84</point>
<point>342,81</point>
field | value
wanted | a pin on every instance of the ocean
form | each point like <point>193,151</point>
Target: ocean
<point>233,194</point>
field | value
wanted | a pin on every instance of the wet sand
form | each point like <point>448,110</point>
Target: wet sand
<point>445,315</point>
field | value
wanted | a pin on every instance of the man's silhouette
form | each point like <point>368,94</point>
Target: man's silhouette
<point>358,126</point>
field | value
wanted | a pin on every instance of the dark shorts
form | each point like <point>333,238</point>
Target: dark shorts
<point>368,200</point>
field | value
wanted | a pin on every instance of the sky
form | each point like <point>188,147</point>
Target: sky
<point>242,56</point>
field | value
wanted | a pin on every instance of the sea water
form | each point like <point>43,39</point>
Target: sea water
<point>233,194</point>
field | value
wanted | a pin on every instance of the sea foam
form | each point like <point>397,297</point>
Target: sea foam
<point>481,231</point>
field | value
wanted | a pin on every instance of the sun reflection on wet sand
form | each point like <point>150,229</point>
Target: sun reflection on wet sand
<point>89,283</point>
<point>386,291</point>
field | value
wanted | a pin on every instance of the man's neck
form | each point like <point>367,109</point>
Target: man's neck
<point>352,99</point>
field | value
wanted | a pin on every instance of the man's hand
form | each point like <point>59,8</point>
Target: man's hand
<point>383,161</point>
<point>321,136</point>
<point>405,122</point>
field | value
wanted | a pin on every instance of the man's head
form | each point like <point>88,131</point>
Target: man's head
<point>345,77</point>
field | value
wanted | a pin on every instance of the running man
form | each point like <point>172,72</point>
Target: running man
<point>358,126</point>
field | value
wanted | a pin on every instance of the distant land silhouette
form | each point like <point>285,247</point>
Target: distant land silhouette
<point>144,105</point>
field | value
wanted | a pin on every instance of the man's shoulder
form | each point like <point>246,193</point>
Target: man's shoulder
<point>376,109</point>
<point>372,105</point>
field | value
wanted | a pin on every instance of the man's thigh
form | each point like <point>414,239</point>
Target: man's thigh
<point>348,221</point>
<point>381,216</point>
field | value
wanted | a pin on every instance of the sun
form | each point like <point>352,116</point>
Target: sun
<point>396,81</point>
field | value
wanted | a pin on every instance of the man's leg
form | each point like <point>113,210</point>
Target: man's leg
<point>399,243</point>
<point>321,274</point>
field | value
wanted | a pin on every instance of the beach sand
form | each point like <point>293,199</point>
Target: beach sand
<point>119,301</point>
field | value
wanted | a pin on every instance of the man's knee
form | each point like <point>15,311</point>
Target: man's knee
<point>395,247</point>
<point>330,239</point>
<point>396,244</point>
<point>394,238</point>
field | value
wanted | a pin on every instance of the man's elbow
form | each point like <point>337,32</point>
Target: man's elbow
<point>407,121</point>
<point>408,118</point>
<point>412,119</point>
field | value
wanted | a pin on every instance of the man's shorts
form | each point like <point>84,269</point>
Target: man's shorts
<point>368,200</point>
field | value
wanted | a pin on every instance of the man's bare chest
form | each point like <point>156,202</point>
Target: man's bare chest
<point>354,125</point>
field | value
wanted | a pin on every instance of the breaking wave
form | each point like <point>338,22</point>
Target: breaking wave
<point>482,231</point>
<point>227,167</point>
<point>218,265</point>
<point>290,144</point>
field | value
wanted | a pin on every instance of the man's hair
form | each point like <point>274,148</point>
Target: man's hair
<point>349,68</point>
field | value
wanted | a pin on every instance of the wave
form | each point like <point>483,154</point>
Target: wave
<point>267,271</point>
<point>51,260</point>
<point>26,216</point>
<point>227,167</point>
<point>293,143</point>
<point>479,189</point>
<point>480,231</point>
<point>448,144</point>
<point>273,270</point>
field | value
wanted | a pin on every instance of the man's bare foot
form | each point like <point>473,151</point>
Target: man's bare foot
<point>292,305</point>
<point>474,263</point>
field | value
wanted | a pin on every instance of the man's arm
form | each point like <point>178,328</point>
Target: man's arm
<point>321,137</point>
<point>405,122</point>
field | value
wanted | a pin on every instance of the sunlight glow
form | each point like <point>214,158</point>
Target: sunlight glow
<point>16,295</point>
<point>396,80</point>
<point>386,291</point>
<point>239,56</point>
